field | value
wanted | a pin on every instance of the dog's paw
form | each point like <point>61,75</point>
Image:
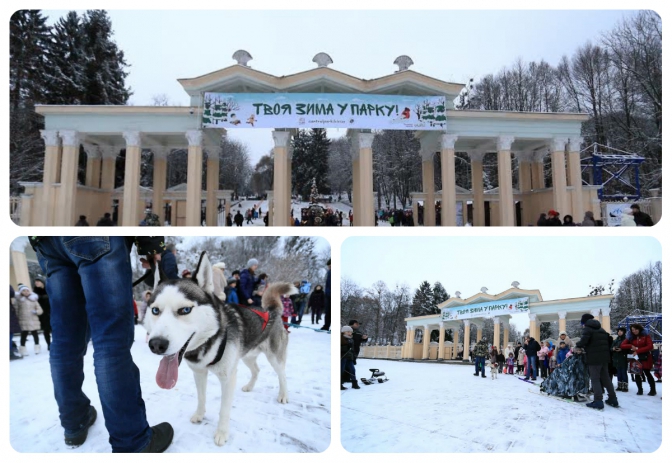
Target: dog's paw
<point>197,417</point>
<point>247,388</point>
<point>283,399</point>
<point>221,437</point>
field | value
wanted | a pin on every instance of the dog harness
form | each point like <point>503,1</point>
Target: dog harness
<point>222,345</point>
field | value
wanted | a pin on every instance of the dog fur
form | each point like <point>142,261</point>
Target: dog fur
<point>199,335</point>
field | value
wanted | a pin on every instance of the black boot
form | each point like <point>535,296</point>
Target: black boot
<point>343,388</point>
<point>652,384</point>
<point>162,436</point>
<point>618,386</point>
<point>355,385</point>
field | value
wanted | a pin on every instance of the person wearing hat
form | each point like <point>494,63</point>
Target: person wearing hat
<point>327,299</point>
<point>542,221</point>
<point>553,219</point>
<point>563,338</point>
<point>219,279</point>
<point>348,374</point>
<point>480,352</point>
<point>619,358</point>
<point>247,282</point>
<point>316,303</point>
<point>28,310</point>
<point>230,291</point>
<point>639,342</point>
<point>105,221</point>
<point>596,343</point>
<point>357,337</point>
<point>532,347</point>
<point>82,222</point>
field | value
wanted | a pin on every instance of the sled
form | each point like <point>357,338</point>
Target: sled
<point>376,376</point>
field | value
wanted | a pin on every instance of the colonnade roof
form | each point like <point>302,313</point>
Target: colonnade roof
<point>239,78</point>
<point>533,294</point>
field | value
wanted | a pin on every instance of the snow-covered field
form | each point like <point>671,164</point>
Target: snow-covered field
<point>258,422</point>
<point>444,408</point>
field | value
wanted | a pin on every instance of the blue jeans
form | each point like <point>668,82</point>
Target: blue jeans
<point>348,367</point>
<point>480,363</point>
<point>89,283</point>
<point>532,367</point>
<point>622,374</point>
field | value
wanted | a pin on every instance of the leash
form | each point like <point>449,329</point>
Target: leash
<point>306,327</point>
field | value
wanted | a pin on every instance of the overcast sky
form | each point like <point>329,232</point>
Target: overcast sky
<point>162,46</point>
<point>559,267</point>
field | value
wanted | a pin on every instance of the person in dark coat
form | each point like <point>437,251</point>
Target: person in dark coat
<point>247,283</point>
<point>642,219</point>
<point>640,343</point>
<point>568,221</point>
<point>597,345</point>
<point>480,352</point>
<point>348,373</point>
<point>43,300</point>
<point>229,220</point>
<point>531,349</point>
<point>327,299</point>
<point>619,358</point>
<point>553,219</point>
<point>82,222</point>
<point>238,219</point>
<point>316,304</point>
<point>357,337</point>
<point>542,221</point>
<point>105,221</point>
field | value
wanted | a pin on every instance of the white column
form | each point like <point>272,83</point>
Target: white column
<point>425,343</point>
<point>495,341</point>
<point>93,158</point>
<point>562,321</point>
<point>442,340</point>
<point>281,193</point>
<point>466,342</point>
<point>212,185</point>
<point>525,185</point>
<point>507,217</point>
<point>131,207</point>
<point>533,326</point>
<point>159,180</point>
<point>366,179</point>
<point>574,162</point>
<point>51,159</point>
<point>478,205</point>
<point>427,151</point>
<point>560,199</point>
<point>194,177</point>
<point>67,196</point>
<point>448,192</point>
<point>19,261</point>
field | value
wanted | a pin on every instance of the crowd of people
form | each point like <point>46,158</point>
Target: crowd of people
<point>69,300</point>
<point>630,217</point>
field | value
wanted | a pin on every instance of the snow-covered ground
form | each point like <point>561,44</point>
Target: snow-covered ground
<point>444,408</point>
<point>258,422</point>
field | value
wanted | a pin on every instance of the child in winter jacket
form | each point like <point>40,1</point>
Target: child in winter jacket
<point>563,352</point>
<point>287,310</point>
<point>28,311</point>
<point>521,359</point>
<point>509,364</point>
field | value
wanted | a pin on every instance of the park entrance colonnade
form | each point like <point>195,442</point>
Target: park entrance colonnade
<point>103,131</point>
<point>479,307</point>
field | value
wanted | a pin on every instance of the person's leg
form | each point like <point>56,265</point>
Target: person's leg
<point>24,337</point>
<point>532,367</point>
<point>105,262</point>
<point>652,382</point>
<point>327,312</point>
<point>47,337</point>
<point>476,364</point>
<point>605,380</point>
<point>595,375</point>
<point>36,337</point>
<point>302,307</point>
<point>70,335</point>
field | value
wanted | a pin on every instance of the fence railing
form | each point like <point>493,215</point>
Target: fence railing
<point>15,209</point>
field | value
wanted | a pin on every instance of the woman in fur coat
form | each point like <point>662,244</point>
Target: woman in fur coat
<point>28,310</point>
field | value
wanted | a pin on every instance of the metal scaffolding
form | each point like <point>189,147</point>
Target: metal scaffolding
<point>611,169</point>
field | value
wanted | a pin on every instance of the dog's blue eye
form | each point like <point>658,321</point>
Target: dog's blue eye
<point>155,310</point>
<point>184,311</point>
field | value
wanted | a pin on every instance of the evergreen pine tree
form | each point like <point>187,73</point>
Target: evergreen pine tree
<point>105,63</point>
<point>439,295</point>
<point>301,164</point>
<point>28,55</point>
<point>68,61</point>
<point>423,301</point>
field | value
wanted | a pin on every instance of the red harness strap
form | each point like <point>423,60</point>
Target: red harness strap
<point>264,317</point>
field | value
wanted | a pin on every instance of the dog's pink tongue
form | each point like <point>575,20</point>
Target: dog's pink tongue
<point>166,375</point>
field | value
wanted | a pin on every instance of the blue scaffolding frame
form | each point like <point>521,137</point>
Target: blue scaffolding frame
<point>609,166</point>
<point>653,323</point>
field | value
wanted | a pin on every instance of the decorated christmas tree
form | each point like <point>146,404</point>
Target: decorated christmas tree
<point>314,194</point>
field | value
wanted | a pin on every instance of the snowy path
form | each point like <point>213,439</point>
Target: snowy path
<point>444,408</point>
<point>258,422</point>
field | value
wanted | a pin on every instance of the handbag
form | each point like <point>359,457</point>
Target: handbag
<point>635,367</point>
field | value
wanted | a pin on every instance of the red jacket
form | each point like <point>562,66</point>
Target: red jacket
<point>643,344</point>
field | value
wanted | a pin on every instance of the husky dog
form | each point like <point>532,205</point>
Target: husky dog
<point>185,320</point>
<point>493,370</point>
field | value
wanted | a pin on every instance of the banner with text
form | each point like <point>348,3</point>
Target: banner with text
<point>323,110</point>
<point>487,309</point>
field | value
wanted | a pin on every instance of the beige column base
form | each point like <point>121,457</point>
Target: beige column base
<point>425,344</point>
<point>20,265</point>
<point>478,206</point>
<point>496,333</point>
<point>507,217</point>
<point>194,177</point>
<point>467,341</point>
<point>281,188</point>
<point>52,157</point>
<point>67,195</point>
<point>159,184</point>
<point>131,207</point>
<point>456,341</point>
<point>577,209</point>
<point>356,193</point>
<point>212,186</point>
<point>442,339</point>
<point>366,180</point>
